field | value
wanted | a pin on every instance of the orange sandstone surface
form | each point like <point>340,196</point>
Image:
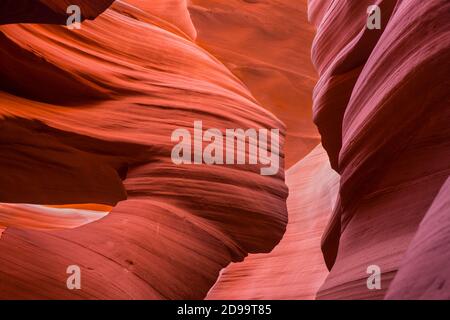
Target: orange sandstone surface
<point>86,118</point>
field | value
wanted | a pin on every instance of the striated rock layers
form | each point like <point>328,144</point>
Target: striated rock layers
<point>267,45</point>
<point>382,107</point>
<point>294,269</point>
<point>86,118</point>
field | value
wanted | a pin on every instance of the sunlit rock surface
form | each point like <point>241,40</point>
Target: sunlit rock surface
<point>85,124</point>
<point>267,45</point>
<point>424,270</point>
<point>90,114</point>
<point>295,268</point>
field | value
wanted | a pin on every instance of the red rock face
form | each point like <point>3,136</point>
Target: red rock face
<point>423,273</point>
<point>266,44</point>
<point>295,268</point>
<point>83,110</point>
<point>86,118</point>
<point>381,105</point>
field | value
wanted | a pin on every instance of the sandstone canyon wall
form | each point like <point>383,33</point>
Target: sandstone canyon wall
<point>266,44</point>
<point>86,118</point>
<point>382,107</point>
<point>295,268</point>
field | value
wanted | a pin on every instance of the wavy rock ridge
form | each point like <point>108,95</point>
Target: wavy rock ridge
<point>294,269</point>
<point>381,105</point>
<point>266,44</point>
<point>94,138</point>
<point>109,96</point>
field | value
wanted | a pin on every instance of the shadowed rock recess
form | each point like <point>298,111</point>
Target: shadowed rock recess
<point>86,118</point>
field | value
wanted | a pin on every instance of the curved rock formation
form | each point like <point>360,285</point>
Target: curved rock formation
<point>423,273</point>
<point>48,11</point>
<point>267,45</point>
<point>174,12</point>
<point>294,269</point>
<point>136,79</point>
<point>86,118</point>
<point>38,217</point>
<point>381,105</point>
